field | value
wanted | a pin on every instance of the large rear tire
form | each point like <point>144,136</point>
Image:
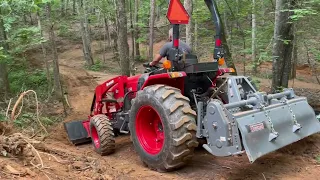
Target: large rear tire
<point>163,127</point>
<point>102,135</point>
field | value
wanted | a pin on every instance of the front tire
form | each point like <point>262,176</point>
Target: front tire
<point>102,135</point>
<point>163,128</point>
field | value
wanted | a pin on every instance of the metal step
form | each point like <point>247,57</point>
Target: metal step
<point>107,100</point>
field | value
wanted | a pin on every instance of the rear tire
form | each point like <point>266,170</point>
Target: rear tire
<point>102,135</point>
<point>175,119</point>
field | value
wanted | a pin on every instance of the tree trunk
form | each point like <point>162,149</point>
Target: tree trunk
<point>151,30</point>
<point>188,4</point>
<point>115,33</point>
<point>132,31</point>
<point>86,41</point>
<point>31,20</point>
<point>74,7</point>
<point>123,47</point>
<point>44,53</point>
<point>4,35</point>
<point>227,54</point>
<point>237,13</point>
<point>295,55</point>
<point>62,7</point>
<point>195,35</point>
<point>107,33</point>
<point>283,44</point>
<point>66,6</point>
<point>225,22</point>
<point>136,30</point>
<point>132,39</point>
<point>24,18</point>
<point>263,12</point>
<point>158,12</point>
<point>4,82</point>
<point>254,29</point>
<point>57,82</point>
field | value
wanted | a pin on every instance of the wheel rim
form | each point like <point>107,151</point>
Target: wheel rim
<point>95,137</point>
<point>149,130</point>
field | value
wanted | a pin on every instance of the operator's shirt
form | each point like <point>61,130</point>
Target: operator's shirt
<point>184,47</point>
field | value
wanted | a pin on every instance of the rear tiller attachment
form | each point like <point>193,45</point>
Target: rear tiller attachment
<point>260,123</point>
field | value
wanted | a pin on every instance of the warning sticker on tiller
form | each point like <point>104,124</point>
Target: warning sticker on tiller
<point>256,127</point>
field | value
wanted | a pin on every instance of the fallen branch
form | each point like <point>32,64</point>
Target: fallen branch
<point>67,100</point>
<point>20,99</point>
<point>220,166</point>
<point>37,153</point>
<point>83,169</point>
<point>37,167</point>
<point>13,171</point>
<point>8,108</point>
<point>61,162</point>
<point>20,109</point>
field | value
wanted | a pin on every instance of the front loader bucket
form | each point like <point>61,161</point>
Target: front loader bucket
<point>267,129</point>
<point>77,133</point>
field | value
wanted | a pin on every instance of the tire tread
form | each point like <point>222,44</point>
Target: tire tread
<point>105,133</point>
<point>182,126</point>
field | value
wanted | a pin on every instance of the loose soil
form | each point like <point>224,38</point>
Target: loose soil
<point>296,161</point>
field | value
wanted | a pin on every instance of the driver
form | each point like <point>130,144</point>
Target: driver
<point>164,51</point>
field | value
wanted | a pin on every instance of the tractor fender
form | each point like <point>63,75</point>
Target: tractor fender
<point>173,79</point>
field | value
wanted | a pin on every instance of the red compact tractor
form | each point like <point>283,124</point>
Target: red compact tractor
<point>168,109</point>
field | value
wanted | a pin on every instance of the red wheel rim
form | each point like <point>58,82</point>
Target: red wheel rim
<point>149,130</point>
<point>95,137</point>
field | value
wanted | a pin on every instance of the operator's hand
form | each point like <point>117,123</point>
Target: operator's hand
<point>156,60</point>
<point>152,63</point>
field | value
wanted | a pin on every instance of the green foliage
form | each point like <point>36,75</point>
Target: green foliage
<point>257,82</point>
<point>2,117</point>
<point>21,79</point>
<point>140,59</point>
<point>63,30</point>
<point>144,54</point>
<point>316,54</point>
<point>97,66</point>
<point>3,56</point>
<point>29,119</point>
<point>23,39</point>
<point>318,159</point>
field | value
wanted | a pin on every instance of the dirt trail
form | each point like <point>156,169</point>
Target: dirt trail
<point>294,162</point>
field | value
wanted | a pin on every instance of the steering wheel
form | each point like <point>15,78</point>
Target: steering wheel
<point>150,69</point>
<point>147,65</point>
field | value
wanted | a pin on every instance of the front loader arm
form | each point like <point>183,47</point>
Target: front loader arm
<point>102,89</point>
